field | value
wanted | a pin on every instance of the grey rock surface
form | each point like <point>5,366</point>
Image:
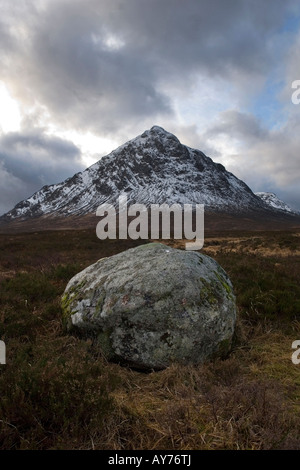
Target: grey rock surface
<point>154,305</point>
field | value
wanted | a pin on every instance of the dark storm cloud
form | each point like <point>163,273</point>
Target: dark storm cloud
<point>29,161</point>
<point>99,65</point>
<point>208,34</point>
<point>35,156</point>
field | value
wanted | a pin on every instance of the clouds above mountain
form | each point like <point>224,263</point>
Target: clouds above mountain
<point>96,64</point>
<point>30,160</point>
<point>113,69</point>
<point>263,157</point>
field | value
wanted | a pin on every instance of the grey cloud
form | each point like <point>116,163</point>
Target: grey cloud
<point>5,39</point>
<point>29,161</point>
<point>68,66</point>
<point>268,159</point>
<point>241,125</point>
<point>12,189</point>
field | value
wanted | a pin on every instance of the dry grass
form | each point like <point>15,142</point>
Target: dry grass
<point>59,392</point>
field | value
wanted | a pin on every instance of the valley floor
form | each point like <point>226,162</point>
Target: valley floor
<point>59,392</point>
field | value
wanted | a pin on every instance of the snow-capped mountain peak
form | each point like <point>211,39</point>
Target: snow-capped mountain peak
<point>153,168</point>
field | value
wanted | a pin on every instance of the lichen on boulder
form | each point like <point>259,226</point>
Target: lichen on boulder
<point>153,305</point>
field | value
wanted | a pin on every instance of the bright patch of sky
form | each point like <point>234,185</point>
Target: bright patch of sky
<point>92,147</point>
<point>10,117</point>
<point>200,103</point>
<point>267,107</point>
<point>292,22</point>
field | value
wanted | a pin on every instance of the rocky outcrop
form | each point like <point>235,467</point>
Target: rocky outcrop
<point>154,305</point>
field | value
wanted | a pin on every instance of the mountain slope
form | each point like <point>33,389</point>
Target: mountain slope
<point>152,168</point>
<point>275,203</point>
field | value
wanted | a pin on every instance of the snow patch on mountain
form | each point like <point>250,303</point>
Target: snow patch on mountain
<point>274,202</point>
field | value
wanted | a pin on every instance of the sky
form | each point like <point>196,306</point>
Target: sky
<point>78,78</point>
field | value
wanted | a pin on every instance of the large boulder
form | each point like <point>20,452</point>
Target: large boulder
<point>154,305</point>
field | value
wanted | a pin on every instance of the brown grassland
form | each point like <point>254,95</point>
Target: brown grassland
<point>57,391</point>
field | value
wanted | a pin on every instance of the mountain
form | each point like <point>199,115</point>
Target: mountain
<point>275,203</point>
<point>152,168</point>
